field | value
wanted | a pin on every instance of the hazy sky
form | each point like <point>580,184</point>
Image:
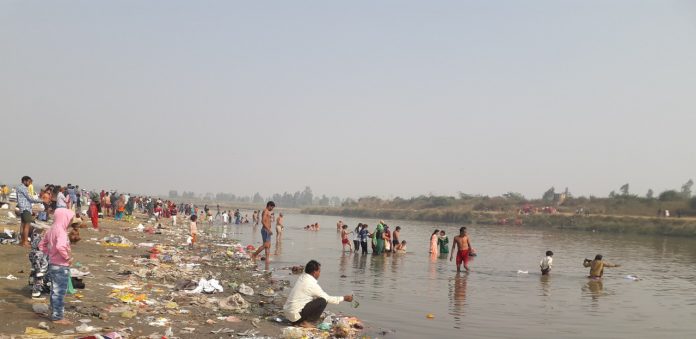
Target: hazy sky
<point>388,98</point>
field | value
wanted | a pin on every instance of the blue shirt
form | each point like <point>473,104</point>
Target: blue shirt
<point>24,200</point>
<point>363,235</point>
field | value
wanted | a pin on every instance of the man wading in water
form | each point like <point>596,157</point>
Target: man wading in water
<point>464,246</point>
<point>266,232</point>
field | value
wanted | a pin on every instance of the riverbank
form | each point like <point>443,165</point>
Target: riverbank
<point>602,223</point>
<point>133,287</point>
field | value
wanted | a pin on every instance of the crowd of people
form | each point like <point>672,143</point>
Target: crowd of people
<point>50,253</point>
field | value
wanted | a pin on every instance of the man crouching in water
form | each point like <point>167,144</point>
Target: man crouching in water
<point>307,300</point>
<point>464,247</point>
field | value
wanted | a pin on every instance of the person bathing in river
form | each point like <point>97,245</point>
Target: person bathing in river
<point>400,247</point>
<point>463,245</point>
<point>546,263</point>
<point>597,266</point>
<point>356,237</point>
<point>443,243</point>
<point>396,235</point>
<point>344,238</point>
<point>433,243</point>
<point>279,226</point>
<point>364,235</point>
<point>387,239</point>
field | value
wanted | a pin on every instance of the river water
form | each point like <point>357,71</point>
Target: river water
<point>396,292</point>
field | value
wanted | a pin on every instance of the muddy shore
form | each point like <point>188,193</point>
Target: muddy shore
<point>131,289</point>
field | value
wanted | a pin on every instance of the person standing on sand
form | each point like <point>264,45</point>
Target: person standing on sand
<point>24,201</point>
<point>279,226</point>
<point>266,232</point>
<point>94,214</point>
<point>56,245</point>
<point>463,247</point>
<point>307,300</point>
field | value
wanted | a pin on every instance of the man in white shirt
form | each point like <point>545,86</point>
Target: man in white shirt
<point>307,300</point>
<point>546,263</point>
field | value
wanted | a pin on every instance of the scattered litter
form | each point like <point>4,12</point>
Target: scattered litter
<point>11,277</point>
<point>207,286</point>
<point>37,332</point>
<point>44,326</point>
<point>522,272</point>
<point>633,277</point>
<point>430,316</point>
<point>234,302</point>
<point>40,308</point>
<point>246,290</point>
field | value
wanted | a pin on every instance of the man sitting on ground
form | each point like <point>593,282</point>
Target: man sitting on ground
<point>307,300</point>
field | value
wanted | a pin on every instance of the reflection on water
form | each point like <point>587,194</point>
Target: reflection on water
<point>458,298</point>
<point>494,300</point>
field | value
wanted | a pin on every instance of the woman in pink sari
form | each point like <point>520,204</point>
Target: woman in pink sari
<point>433,243</point>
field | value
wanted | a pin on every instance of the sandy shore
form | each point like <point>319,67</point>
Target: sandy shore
<point>119,274</point>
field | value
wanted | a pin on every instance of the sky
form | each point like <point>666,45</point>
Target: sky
<point>385,98</point>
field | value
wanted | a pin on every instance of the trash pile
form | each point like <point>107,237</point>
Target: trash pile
<point>149,284</point>
<point>332,326</point>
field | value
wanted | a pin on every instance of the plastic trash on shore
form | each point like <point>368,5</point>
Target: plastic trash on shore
<point>234,302</point>
<point>207,286</point>
<point>522,272</point>
<point>246,290</point>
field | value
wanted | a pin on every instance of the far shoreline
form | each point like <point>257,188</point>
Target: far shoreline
<point>673,226</point>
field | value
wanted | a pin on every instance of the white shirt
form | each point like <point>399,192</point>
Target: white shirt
<point>305,290</point>
<point>546,263</point>
<point>61,201</point>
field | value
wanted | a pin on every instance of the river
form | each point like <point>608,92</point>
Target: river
<point>396,292</point>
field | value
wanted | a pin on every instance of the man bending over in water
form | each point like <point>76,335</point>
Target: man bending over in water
<point>462,242</point>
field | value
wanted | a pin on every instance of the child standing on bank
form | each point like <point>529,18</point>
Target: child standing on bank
<point>344,238</point>
<point>39,264</point>
<point>193,228</point>
<point>546,263</point>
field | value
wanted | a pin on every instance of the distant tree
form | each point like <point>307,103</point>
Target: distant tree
<point>692,203</point>
<point>650,194</point>
<point>465,196</point>
<point>669,195</point>
<point>306,197</point>
<point>257,199</point>
<point>514,196</point>
<point>612,194</point>
<point>686,189</point>
<point>549,194</point>
<point>624,190</point>
<point>324,201</point>
<point>173,194</point>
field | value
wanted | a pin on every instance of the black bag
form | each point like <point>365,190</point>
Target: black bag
<point>77,283</point>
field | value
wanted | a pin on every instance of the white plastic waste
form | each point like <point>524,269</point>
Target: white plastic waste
<point>522,272</point>
<point>246,290</point>
<point>207,286</point>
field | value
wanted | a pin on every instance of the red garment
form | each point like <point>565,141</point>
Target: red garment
<point>463,255</point>
<point>94,215</point>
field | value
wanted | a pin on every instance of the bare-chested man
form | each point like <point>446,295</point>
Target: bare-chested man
<point>464,246</point>
<point>339,226</point>
<point>279,226</point>
<point>266,232</point>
